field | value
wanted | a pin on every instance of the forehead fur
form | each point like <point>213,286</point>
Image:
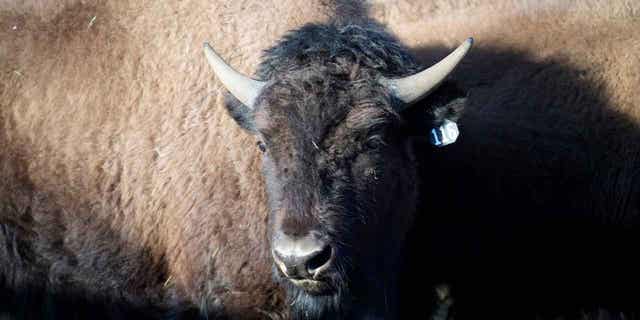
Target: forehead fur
<point>311,103</point>
<point>366,46</point>
<point>322,75</point>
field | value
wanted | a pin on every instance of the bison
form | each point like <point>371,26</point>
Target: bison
<point>129,191</point>
<point>339,166</point>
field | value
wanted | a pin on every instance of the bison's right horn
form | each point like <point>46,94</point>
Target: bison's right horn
<point>242,87</point>
<point>414,87</point>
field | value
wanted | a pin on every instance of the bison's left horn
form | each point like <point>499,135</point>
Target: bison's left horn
<point>242,87</point>
<point>412,88</point>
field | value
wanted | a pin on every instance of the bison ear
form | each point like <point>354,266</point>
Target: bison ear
<point>444,106</point>
<point>242,114</point>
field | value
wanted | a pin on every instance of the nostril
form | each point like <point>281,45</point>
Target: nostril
<point>320,261</point>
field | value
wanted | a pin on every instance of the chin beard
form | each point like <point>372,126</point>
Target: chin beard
<point>333,305</point>
<point>338,303</point>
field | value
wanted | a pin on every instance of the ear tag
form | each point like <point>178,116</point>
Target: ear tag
<point>445,134</point>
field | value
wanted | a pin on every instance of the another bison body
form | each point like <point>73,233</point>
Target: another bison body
<point>535,210</point>
<point>128,191</point>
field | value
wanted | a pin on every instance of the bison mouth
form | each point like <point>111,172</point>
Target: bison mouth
<point>340,293</point>
<point>312,286</point>
<point>326,296</point>
<point>322,286</point>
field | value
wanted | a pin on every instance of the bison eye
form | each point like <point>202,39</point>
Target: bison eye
<point>261,146</point>
<point>374,143</point>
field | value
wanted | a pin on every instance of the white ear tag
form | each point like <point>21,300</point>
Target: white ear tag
<point>444,135</point>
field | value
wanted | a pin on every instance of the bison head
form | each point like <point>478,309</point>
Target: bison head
<point>330,117</point>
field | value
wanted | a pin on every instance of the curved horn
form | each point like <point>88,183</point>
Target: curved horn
<point>411,88</point>
<point>242,87</point>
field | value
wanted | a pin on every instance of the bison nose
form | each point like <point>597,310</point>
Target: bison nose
<point>302,258</point>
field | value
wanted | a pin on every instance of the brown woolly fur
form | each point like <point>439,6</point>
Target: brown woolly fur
<point>129,188</point>
<point>122,175</point>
